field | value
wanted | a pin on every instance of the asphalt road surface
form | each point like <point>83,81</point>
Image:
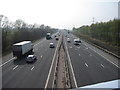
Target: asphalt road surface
<point>16,73</point>
<point>90,66</point>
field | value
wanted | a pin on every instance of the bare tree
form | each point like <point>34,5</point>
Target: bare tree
<point>18,24</point>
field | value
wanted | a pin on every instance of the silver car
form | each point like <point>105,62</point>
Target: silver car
<point>68,40</point>
<point>31,58</point>
<point>52,45</point>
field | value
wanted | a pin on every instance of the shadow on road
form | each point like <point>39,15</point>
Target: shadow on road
<point>21,61</point>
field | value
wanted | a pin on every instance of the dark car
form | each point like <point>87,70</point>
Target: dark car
<point>57,38</point>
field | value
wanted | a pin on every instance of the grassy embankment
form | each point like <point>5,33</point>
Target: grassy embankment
<point>105,35</point>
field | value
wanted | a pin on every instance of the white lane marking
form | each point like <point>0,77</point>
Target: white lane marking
<point>39,42</point>
<point>51,67</point>
<point>102,65</point>
<point>71,66</point>
<point>78,47</point>
<point>15,57</point>
<point>41,56</point>
<point>7,61</point>
<point>86,48</point>
<point>43,39</point>
<point>105,58</point>
<point>79,54</point>
<point>15,67</point>
<point>32,68</point>
<point>70,47</point>
<point>86,64</point>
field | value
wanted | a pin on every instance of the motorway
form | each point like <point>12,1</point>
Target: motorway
<point>90,66</point>
<point>18,74</point>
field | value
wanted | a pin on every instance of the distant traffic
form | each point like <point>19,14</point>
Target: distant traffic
<point>25,48</point>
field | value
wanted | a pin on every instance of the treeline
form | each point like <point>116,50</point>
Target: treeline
<point>104,32</point>
<point>13,32</point>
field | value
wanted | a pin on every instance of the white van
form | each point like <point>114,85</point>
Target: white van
<point>77,41</point>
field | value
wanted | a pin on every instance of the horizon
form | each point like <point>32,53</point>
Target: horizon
<point>61,14</point>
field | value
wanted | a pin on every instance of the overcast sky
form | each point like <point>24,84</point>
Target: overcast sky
<point>60,13</point>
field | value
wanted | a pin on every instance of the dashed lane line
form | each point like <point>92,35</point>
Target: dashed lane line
<point>51,66</point>
<point>15,57</point>
<point>32,68</point>
<point>104,57</point>
<point>102,65</point>
<point>41,56</point>
<point>86,64</point>
<point>15,67</point>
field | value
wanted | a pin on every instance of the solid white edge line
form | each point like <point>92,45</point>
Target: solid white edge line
<point>14,57</point>
<point>15,67</point>
<point>104,57</point>
<point>7,61</point>
<point>71,66</point>
<point>51,67</point>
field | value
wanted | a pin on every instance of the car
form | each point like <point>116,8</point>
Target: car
<point>31,58</point>
<point>57,38</point>
<point>77,41</point>
<point>68,40</point>
<point>52,45</point>
<point>80,41</point>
